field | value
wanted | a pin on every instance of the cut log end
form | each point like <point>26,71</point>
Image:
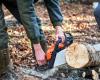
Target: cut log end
<point>77,55</point>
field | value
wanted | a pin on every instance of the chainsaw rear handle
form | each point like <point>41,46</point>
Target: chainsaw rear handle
<point>67,42</point>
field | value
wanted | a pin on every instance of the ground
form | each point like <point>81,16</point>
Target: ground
<point>78,20</point>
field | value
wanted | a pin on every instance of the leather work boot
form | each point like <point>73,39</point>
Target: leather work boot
<point>6,72</point>
<point>9,74</point>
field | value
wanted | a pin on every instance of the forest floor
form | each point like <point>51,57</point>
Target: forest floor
<point>78,20</point>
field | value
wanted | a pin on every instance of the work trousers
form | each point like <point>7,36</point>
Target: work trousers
<point>24,12</point>
<point>97,14</point>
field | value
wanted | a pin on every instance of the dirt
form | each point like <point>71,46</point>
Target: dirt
<point>78,20</point>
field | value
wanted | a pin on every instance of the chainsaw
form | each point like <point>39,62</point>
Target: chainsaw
<point>55,55</point>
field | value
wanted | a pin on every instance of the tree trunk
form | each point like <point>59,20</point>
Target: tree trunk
<point>83,55</point>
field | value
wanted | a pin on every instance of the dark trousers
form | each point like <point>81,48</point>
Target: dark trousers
<point>24,12</point>
<point>97,15</point>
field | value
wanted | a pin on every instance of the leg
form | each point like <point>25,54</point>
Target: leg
<point>12,7</point>
<point>29,20</point>
<point>97,15</point>
<point>4,56</point>
<point>53,7</point>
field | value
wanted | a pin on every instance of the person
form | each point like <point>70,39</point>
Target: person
<point>97,13</point>
<point>24,12</point>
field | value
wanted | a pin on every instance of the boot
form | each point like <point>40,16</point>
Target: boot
<point>4,60</point>
<point>6,68</point>
<point>9,74</point>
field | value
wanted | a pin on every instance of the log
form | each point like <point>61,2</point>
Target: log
<point>79,55</point>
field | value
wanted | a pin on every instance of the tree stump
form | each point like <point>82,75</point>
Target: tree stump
<point>83,55</point>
